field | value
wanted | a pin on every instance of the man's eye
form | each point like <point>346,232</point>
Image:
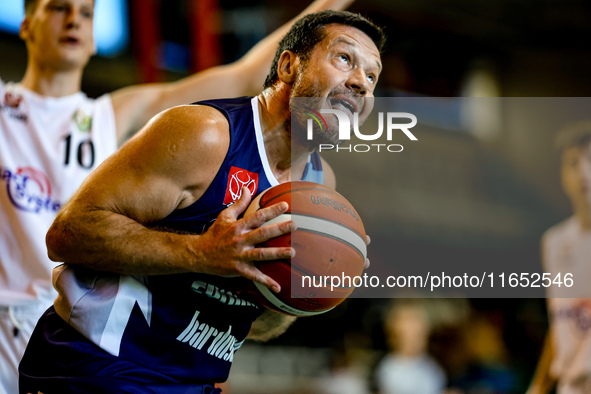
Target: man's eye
<point>343,57</point>
<point>371,78</point>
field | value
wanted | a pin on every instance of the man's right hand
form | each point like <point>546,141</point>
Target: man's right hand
<point>229,246</point>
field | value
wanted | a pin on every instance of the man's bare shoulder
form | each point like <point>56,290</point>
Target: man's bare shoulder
<point>195,130</point>
<point>185,145</point>
<point>200,121</point>
<point>561,231</point>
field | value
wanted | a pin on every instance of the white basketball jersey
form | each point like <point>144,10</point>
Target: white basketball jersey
<point>567,249</point>
<point>48,146</point>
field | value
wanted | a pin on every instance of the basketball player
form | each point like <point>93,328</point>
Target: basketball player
<point>52,136</point>
<point>566,248</point>
<point>143,308</point>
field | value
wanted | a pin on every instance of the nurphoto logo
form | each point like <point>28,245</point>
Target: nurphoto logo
<point>344,122</point>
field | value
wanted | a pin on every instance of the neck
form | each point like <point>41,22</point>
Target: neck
<point>286,159</point>
<point>583,214</point>
<point>47,81</point>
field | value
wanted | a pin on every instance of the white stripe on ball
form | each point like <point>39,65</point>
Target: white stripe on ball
<point>325,227</point>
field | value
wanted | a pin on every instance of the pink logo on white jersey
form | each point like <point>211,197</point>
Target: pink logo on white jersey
<point>237,179</point>
<point>578,313</point>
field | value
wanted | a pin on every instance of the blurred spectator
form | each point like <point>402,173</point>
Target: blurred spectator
<point>487,369</point>
<point>348,374</point>
<point>408,368</point>
<point>566,248</point>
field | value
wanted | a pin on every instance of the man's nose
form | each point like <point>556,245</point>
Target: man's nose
<point>73,18</point>
<point>358,82</point>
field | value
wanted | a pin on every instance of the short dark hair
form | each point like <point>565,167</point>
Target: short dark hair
<point>30,6</point>
<point>309,31</point>
<point>577,135</point>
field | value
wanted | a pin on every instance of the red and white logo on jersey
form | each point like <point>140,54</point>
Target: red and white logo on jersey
<point>12,100</point>
<point>237,179</point>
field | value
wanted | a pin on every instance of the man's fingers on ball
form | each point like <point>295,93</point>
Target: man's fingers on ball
<point>254,274</point>
<point>265,233</point>
<point>266,254</point>
<point>280,253</point>
<point>265,214</point>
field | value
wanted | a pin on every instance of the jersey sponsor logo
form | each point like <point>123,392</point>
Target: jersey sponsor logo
<point>10,105</point>
<point>29,190</point>
<point>237,179</point>
<point>82,120</point>
<point>224,296</point>
<point>12,100</point>
<point>220,344</point>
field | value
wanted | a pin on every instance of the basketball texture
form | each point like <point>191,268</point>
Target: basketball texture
<point>329,242</point>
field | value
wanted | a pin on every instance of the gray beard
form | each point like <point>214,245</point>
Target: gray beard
<point>310,97</point>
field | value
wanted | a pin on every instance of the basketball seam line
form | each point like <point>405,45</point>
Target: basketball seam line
<point>345,228</point>
<point>304,273</point>
<point>316,217</point>
<point>323,218</point>
<point>277,302</point>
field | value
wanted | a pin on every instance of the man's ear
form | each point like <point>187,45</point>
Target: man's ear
<point>287,67</point>
<point>24,31</point>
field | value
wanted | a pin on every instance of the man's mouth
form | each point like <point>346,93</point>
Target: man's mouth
<point>69,40</point>
<point>346,103</point>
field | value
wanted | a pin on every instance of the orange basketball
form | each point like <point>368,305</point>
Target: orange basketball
<point>329,242</point>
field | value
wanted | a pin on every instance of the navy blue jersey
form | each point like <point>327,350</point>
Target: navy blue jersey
<point>245,164</point>
<point>185,327</point>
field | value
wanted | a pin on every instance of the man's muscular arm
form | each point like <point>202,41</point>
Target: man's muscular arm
<point>168,165</point>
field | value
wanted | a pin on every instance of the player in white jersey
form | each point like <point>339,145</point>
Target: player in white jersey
<point>566,248</point>
<point>47,148</point>
<point>52,136</point>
